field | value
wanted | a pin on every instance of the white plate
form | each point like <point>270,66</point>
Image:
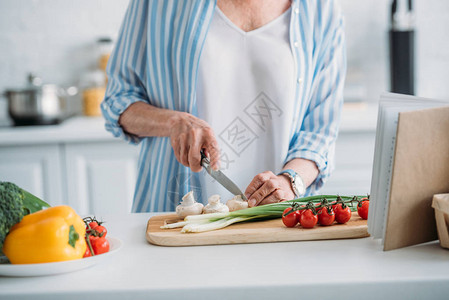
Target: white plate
<point>59,267</point>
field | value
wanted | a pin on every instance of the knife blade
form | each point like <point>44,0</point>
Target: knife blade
<point>221,178</point>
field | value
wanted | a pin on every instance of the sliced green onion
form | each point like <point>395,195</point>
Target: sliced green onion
<point>194,227</point>
<point>206,216</point>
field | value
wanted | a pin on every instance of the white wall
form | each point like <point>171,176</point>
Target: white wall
<point>366,26</point>
<point>367,46</point>
<point>54,38</point>
<point>433,48</point>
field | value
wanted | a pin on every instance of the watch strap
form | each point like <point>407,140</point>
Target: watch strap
<point>296,181</point>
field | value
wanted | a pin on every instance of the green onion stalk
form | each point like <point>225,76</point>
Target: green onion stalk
<point>214,221</point>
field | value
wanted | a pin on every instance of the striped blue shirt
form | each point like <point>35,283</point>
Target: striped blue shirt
<point>156,61</point>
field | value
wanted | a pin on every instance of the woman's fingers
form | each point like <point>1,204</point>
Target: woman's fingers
<point>210,147</point>
<point>268,188</point>
<point>184,150</point>
<point>194,155</point>
<point>259,188</point>
<point>214,155</point>
<point>275,197</point>
<point>191,135</point>
<point>264,192</point>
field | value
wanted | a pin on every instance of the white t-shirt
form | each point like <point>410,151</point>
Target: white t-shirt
<point>245,92</point>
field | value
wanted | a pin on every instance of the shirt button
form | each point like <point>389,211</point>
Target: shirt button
<point>300,80</point>
<point>296,44</point>
<point>296,10</point>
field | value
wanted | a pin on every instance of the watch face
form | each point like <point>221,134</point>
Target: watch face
<point>299,185</point>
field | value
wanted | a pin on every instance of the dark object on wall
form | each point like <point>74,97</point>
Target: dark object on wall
<point>402,44</point>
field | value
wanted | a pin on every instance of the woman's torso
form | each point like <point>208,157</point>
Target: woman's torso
<point>245,92</point>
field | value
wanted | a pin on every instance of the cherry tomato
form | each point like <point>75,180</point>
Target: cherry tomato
<point>99,244</point>
<point>291,219</point>
<point>101,231</point>
<point>342,215</point>
<point>325,217</point>
<point>362,208</point>
<point>334,207</point>
<point>91,238</point>
<point>93,224</point>
<point>308,219</point>
<point>87,253</point>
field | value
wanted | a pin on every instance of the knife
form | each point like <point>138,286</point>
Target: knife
<point>221,178</point>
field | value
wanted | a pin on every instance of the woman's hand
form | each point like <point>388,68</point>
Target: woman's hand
<point>188,136</point>
<point>268,188</point>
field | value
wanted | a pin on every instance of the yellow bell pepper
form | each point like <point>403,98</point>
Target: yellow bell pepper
<point>50,235</point>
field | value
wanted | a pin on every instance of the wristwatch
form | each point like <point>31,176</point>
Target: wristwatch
<point>298,185</point>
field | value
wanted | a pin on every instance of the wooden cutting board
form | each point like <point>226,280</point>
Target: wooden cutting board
<point>251,232</point>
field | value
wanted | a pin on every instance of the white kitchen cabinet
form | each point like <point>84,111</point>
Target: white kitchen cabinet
<point>35,168</point>
<point>101,177</point>
<point>76,162</point>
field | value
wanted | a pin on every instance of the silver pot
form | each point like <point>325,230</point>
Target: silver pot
<point>38,104</point>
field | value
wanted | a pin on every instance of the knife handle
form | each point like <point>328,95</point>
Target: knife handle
<point>204,160</point>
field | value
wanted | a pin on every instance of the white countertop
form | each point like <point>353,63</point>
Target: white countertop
<point>75,129</point>
<point>333,269</point>
<point>358,117</point>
